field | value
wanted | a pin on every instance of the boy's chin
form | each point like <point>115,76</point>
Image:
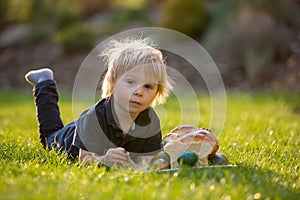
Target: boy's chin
<point>135,112</point>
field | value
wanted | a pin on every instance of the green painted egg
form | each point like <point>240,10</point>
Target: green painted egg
<point>188,159</point>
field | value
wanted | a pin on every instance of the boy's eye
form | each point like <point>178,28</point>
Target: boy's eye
<point>130,82</point>
<point>149,86</point>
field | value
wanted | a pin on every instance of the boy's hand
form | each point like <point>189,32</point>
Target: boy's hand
<point>129,162</point>
<point>118,157</point>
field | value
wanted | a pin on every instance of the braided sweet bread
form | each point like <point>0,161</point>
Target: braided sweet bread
<point>189,138</point>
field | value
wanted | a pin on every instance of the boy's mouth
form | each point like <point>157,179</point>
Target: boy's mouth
<point>135,102</point>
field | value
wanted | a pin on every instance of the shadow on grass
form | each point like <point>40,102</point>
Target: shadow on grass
<point>253,179</point>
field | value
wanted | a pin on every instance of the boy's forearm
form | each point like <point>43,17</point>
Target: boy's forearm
<point>87,157</point>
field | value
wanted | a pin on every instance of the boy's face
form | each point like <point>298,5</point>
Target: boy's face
<point>134,92</point>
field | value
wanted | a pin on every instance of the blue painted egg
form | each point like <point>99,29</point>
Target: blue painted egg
<point>217,159</point>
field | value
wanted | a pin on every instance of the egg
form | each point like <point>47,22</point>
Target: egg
<point>159,164</point>
<point>188,159</point>
<point>217,159</point>
<point>163,155</point>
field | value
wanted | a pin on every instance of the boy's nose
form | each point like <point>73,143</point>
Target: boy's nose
<point>139,91</point>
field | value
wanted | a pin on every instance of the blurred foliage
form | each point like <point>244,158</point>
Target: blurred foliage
<point>128,4</point>
<point>280,10</point>
<point>39,10</point>
<point>125,16</point>
<point>37,34</point>
<point>187,16</point>
<point>250,36</point>
<point>76,37</point>
<point>131,11</point>
<point>64,19</point>
<point>68,17</point>
<point>90,7</point>
<point>18,10</point>
<point>3,12</point>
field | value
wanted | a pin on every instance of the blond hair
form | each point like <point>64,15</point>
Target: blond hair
<point>124,55</point>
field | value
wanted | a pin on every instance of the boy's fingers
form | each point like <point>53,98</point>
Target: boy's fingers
<point>129,161</point>
<point>118,156</point>
<point>113,157</point>
<point>119,151</point>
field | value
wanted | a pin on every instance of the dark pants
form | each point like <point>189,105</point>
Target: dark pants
<point>53,133</point>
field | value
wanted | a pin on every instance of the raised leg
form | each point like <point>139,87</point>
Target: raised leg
<point>46,101</point>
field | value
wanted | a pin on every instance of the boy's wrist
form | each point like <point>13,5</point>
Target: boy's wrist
<point>101,160</point>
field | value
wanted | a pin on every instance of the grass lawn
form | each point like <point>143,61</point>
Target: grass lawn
<point>261,135</point>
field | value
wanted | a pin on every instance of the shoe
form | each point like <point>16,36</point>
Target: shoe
<point>35,76</point>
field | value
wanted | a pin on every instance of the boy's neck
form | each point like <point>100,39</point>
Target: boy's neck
<point>124,119</point>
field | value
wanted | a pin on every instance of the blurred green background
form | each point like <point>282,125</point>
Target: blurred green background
<point>255,43</point>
